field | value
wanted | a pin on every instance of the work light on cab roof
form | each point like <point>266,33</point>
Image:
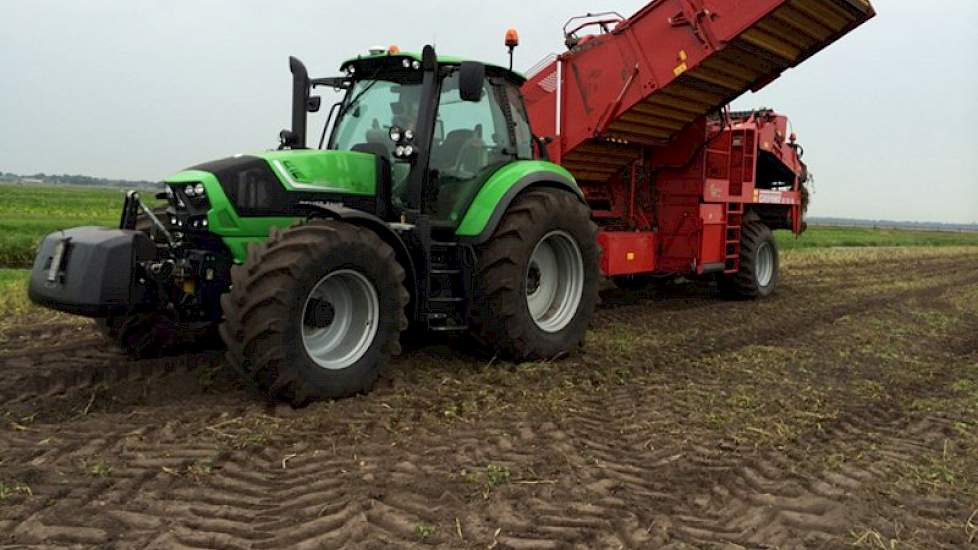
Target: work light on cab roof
<point>512,41</point>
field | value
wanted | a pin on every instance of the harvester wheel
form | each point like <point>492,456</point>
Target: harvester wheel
<point>759,263</point>
<point>315,312</point>
<point>536,281</point>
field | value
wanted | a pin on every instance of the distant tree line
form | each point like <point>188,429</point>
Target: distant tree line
<point>74,179</point>
<point>893,224</point>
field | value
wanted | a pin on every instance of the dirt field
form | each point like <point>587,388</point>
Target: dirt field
<point>842,412</point>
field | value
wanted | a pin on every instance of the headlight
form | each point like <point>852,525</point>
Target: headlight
<point>399,151</point>
<point>408,150</point>
<point>199,189</point>
<point>190,191</point>
<point>409,135</point>
<point>395,134</point>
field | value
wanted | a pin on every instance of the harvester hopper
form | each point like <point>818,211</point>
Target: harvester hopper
<point>646,77</point>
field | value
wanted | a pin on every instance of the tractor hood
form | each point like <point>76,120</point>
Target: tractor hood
<point>276,184</point>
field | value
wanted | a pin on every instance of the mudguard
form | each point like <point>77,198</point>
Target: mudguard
<point>378,226</point>
<point>487,209</point>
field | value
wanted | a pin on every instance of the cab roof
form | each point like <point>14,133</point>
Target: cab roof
<point>491,68</point>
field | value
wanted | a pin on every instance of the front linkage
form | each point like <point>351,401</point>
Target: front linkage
<point>151,290</point>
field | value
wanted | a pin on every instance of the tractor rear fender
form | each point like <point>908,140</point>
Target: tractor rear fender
<point>378,226</point>
<point>487,209</point>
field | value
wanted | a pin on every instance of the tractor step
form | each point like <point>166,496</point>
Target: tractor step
<point>446,284</point>
<point>441,322</point>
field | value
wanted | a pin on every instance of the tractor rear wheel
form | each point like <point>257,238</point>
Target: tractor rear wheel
<point>315,311</point>
<point>759,263</point>
<point>536,280</point>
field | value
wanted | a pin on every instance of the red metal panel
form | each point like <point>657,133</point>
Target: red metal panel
<point>629,113</point>
<point>713,237</point>
<point>627,252</point>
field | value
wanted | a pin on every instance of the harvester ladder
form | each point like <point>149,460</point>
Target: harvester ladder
<point>735,217</point>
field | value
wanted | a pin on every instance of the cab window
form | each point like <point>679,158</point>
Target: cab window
<point>472,140</point>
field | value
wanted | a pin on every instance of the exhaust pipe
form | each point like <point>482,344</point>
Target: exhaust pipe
<point>296,138</point>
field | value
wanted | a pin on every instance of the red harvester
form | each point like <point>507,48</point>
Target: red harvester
<point>636,112</point>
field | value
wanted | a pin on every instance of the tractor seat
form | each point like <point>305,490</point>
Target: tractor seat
<point>445,156</point>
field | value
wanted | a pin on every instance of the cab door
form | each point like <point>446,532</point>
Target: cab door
<point>472,139</point>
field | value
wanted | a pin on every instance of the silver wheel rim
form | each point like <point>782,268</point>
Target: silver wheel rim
<point>765,264</point>
<point>339,319</point>
<point>554,281</point>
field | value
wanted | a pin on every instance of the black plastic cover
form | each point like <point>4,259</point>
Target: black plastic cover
<point>96,275</point>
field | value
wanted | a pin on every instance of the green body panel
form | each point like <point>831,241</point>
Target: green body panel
<point>346,172</point>
<point>236,231</point>
<point>341,172</point>
<point>488,199</point>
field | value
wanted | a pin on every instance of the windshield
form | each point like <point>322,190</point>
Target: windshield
<point>371,108</point>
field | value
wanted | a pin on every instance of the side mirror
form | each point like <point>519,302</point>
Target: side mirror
<point>313,104</point>
<point>471,79</point>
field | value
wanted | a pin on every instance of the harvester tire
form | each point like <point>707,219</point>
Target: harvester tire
<point>536,278</point>
<point>759,265</point>
<point>147,334</point>
<point>315,312</point>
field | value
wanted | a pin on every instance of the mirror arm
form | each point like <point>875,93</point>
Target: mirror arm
<point>337,82</point>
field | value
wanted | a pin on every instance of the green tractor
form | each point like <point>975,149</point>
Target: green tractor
<point>425,205</point>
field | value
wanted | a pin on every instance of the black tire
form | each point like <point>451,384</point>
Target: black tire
<point>155,333</point>
<point>264,311</point>
<point>501,319</point>
<point>746,284</point>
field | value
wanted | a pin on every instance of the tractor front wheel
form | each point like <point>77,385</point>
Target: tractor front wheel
<point>759,265</point>
<point>315,311</point>
<point>537,278</point>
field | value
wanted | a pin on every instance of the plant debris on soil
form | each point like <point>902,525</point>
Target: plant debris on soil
<point>841,412</point>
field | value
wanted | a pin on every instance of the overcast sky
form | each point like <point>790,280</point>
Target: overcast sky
<point>139,89</point>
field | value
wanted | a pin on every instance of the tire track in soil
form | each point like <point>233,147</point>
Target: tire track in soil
<point>67,358</point>
<point>616,460</point>
<point>756,503</point>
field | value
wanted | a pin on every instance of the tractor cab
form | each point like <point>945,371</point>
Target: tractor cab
<point>443,125</point>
